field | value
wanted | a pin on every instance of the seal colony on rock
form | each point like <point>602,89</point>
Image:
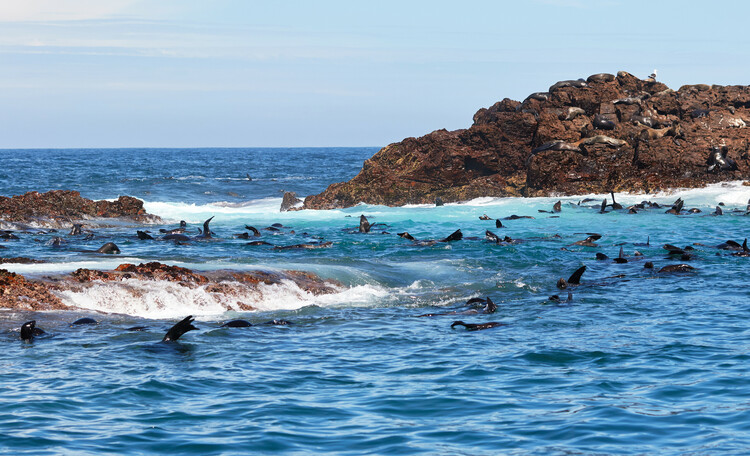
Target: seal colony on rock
<point>605,133</point>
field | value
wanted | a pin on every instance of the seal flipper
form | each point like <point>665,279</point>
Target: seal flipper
<point>455,236</point>
<point>491,307</point>
<point>603,209</point>
<point>575,278</point>
<point>180,328</point>
<point>254,230</point>
<point>144,236</point>
<point>206,229</point>
<point>621,257</point>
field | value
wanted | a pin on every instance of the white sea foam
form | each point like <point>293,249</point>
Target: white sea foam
<point>162,299</point>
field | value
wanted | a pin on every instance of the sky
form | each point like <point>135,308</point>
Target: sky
<point>296,73</point>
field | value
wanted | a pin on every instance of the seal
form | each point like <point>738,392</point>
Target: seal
<point>621,257</point>
<point>677,268</point>
<point>179,230</point>
<point>406,235</point>
<point>576,83</point>
<point>316,245</point>
<point>76,230</point>
<point>589,241</point>
<point>29,331</point>
<point>615,204</point>
<point>206,234</point>
<point>485,217</point>
<point>254,230</point>
<point>177,237</point>
<point>84,321</point>
<point>176,331</point>
<point>575,278</point>
<point>455,236</point>
<point>492,237</point>
<point>109,248</point>
<point>644,120</point>
<point>364,224</point>
<point>601,78</point>
<point>237,324</point>
<point>144,236</point>
<point>477,326</point>
<point>676,207</point>
<point>718,160</point>
<point>602,122</point>
<point>539,96</point>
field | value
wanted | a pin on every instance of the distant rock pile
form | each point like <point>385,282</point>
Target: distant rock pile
<point>605,133</point>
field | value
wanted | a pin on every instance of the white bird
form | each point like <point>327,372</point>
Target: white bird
<point>652,75</point>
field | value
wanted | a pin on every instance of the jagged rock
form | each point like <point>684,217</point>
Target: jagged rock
<point>290,201</point>
<point>16,292</point>
<point>67,205</point>
<point>494,156</point>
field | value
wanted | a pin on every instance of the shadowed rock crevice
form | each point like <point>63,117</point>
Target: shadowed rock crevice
<point>609,133</point>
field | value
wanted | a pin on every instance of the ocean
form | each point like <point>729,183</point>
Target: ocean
<point>636,362</point>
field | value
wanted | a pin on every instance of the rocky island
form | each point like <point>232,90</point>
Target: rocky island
<point>605,133</point>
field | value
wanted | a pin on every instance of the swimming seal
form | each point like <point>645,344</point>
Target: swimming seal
<point>179,230</point>
<point>76,230</point>
<point>84,321</point>
<point>206,234</point>
<point>364,224</point>
<point>143,236</point>
<point>455,236</point>
<point>109,248</point>
<point>29,330</point>
<point>677,268</point>
<point>406,235</point>
<point>485,217</point>
<point>254,230</point>
<point>615,204</point>
<point>676,207</point>
<point>589,241</point>
<point>237,324</point>
<point>575,278</point>
<point>557,207</point>
<point>477,326</point>
<point>176,331</point>
<point>621,257</point>
<point>316,245</point>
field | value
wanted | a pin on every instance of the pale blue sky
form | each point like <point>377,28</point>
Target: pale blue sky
<point>188,73</point>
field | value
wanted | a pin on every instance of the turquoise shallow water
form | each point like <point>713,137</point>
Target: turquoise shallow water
<point>637,363</point>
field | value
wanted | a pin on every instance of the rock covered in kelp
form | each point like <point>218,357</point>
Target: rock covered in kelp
<point>67,205</point>
<point>620,133</point>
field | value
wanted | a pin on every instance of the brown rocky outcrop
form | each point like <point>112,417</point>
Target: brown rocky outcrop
<point>66,206</point>
<point>610,133</point>
<point>17,292</point>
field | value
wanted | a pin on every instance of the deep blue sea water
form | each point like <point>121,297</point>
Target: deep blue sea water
<point>639,362</point>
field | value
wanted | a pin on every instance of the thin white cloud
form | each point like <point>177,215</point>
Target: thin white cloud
<point>61,10</point>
